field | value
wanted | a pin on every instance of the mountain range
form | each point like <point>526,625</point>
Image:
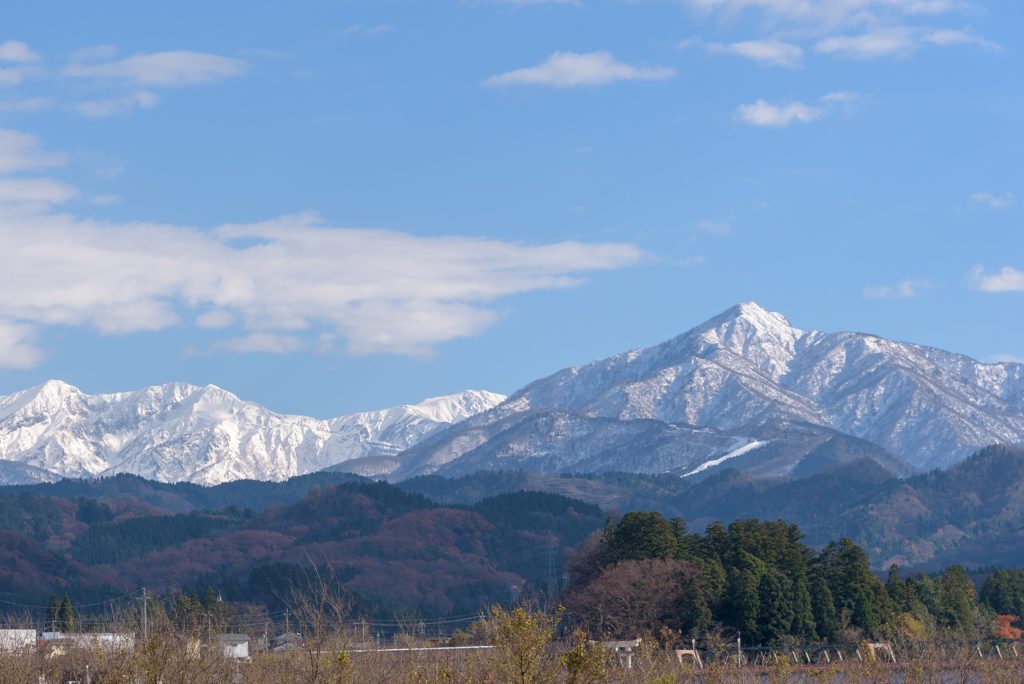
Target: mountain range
<point>180,432</point>
<point>745,389</point>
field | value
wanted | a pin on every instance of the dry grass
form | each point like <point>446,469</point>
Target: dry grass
<point>522,649</point>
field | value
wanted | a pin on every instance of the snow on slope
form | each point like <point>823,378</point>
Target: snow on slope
<point>205,435</point>
<point>748,367</point>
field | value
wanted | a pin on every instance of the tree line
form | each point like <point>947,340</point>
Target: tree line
<point>758,580</point>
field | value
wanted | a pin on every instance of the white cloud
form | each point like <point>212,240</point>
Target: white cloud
<point>268,343</point>
<point>20,152</point>
<point>565,69</point>
<point>17,346</point>
<point>883,42</point>
<point>13,76</point>
<point>35,191</point>
<point>896,41</point>
<point>762,113</point>
<point>105,200</point>
<point>716,227</point>
<point>840,97</point>
<point>1004,358</point>
<point>1008,279</point>
<point>946,37</point>
<point>907,288</point>
<point>382,291</point>
<point>99,109</point>
<point>992,200</point>
<point>827,14</point>
<point>690,261</point>
<point>766,52</point>
<point>31,104</point>
<point>167,69</point>
<point>17,51</point>
<point>94,53</point>
<point>218,318</point>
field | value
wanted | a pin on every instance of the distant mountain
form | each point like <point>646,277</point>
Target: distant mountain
<point>971,514</point>
<point>180,432</point>
<point>744,387</point>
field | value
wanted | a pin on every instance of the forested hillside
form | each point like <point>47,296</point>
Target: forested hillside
<point>396,551</point>
<point>971,514</point>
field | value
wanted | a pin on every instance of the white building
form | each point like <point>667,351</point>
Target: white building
<point>15,640</point>
<point>235,645</point>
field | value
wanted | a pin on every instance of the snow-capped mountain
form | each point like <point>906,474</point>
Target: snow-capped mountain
<point>749,373</point>
<point>205,435</point>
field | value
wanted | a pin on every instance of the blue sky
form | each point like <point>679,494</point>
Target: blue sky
<point>333,207</point>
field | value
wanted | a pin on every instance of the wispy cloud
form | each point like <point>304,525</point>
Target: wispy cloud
<point>993,201</point>
<point>35,191</point>
<point>896,41</point>
<point>105,200</point>
<point>283,281</point>
<point>118,105</point>
<point>715,227</point>
<point>31,104</point>
<point>691,261</point>
<point>1008,279</point>
<point>164,69</point>
<point>567,69</point>
<point>764,114</point>
<point>260,342</point>
<point>766,52</point>
<point>17,51</point>
<point>20,152</point>
<point>823,15</point>
<point>907,288</point>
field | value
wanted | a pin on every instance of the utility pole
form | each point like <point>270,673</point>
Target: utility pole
<point>287,625</point>
<point>739,650</point>
<point>145,615</point>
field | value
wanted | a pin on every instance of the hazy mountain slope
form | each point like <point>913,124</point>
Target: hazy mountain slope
<point>748,370</point>
<point>205,435</point>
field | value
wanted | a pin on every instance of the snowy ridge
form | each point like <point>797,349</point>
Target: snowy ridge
<point>751,374</point>
<point>205,435</point>
<point>747,367</point>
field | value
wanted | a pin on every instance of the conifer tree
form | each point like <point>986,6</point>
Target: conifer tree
<point>52,611</point>
<point>66,615</point>
<point>897,590</point>
<point>825,617</point>
<point>742,596</point>
<point>804,624</point>
<point>957,599</point>
<point>775,615</point>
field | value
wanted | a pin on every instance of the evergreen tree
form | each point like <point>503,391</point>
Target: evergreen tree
<point>1003,592</point>
<point>775,615</point>
<point>865,612</point>
<point>640,535</point>
<point>66,615</point>
<point>52,611</point>
<point>742,596</point>
<point>957,599</point>
<point>897,590</point>
<point>803,624</point>
<point>822,605</point>
<point>695,608</point>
